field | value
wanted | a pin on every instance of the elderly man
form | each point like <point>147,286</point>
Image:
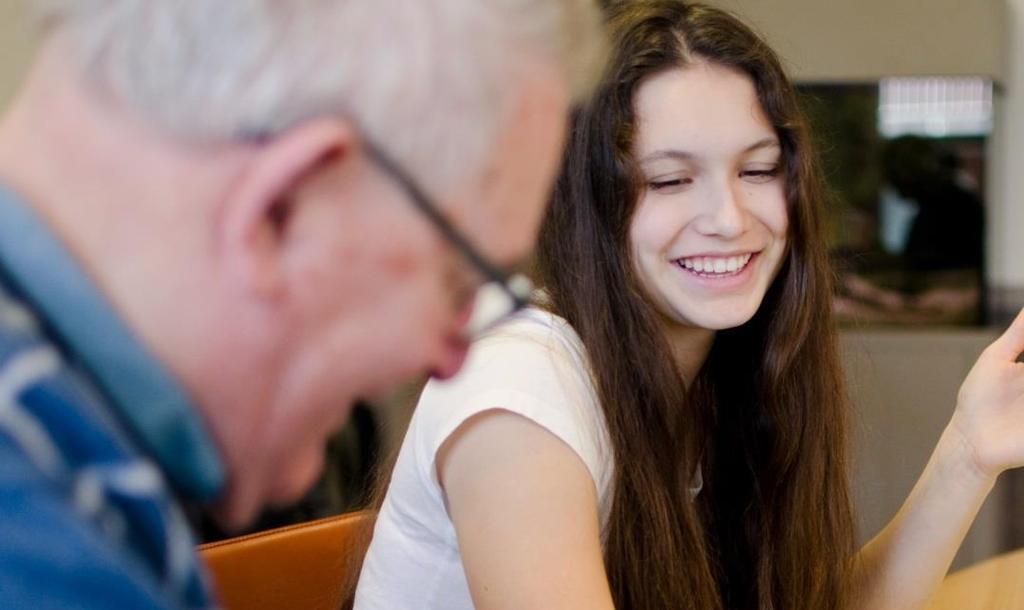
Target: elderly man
<point>221,222</point>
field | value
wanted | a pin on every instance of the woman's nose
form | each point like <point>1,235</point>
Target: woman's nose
<point>725,215</point>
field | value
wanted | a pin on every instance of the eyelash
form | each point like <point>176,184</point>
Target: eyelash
<point>759,175</point>
<point>664,184</point>
<point>764,175</point>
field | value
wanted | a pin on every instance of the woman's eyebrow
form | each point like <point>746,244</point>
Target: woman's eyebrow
<point>768,142</point>
<point>667,153</point>
<point>683,155</point>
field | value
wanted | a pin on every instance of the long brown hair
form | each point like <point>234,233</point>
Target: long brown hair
<point>765,420</point>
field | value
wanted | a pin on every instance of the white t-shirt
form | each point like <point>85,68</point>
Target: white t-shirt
<point>533,366</point>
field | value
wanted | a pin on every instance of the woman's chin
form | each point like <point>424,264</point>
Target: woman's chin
<point>725,322</point>
<point>715,317</point>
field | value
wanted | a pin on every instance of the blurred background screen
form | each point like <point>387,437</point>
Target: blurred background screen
<point>906,160</point>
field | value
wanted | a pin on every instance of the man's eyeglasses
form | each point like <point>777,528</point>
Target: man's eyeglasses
<point>502,294</point>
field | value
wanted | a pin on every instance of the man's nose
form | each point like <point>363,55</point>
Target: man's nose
<point>451,358</point>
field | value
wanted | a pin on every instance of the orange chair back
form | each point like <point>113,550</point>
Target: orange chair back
<point>308,566</point>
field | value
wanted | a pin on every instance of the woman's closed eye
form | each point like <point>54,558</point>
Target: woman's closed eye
<point>760,175</point>
<point>669,184</point>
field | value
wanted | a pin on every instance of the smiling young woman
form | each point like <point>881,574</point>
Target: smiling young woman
<point>691,192</point>
<point>668,429</point>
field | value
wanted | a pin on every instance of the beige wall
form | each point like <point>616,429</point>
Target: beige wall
<point>863,40</point>
<point>15,45</point>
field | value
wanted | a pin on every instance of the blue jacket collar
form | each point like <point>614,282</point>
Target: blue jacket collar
<point>147,399</point>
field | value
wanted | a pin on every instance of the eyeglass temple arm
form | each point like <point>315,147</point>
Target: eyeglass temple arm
<point>422,202</point>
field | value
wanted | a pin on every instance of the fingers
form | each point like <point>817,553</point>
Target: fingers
<point>1010,345</point>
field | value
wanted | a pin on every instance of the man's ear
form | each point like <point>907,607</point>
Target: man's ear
<point>255,216</point>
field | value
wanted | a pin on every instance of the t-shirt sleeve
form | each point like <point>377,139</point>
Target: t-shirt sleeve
<point>529,370</point>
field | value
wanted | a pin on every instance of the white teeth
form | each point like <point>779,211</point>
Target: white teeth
<point>708,265</point>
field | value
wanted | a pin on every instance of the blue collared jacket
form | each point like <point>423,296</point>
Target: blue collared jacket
<point>97,443</point>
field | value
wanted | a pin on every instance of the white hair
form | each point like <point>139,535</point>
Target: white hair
<point>428,80</point>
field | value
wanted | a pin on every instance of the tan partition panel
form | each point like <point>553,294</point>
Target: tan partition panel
<point>840,40</point>
<point>903,385</point>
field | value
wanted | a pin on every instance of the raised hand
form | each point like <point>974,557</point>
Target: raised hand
<point>990,406</point>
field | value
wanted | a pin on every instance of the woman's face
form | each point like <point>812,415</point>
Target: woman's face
<point>709,232</point>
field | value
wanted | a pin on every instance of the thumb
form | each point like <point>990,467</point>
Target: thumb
<point>1011,343</point>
